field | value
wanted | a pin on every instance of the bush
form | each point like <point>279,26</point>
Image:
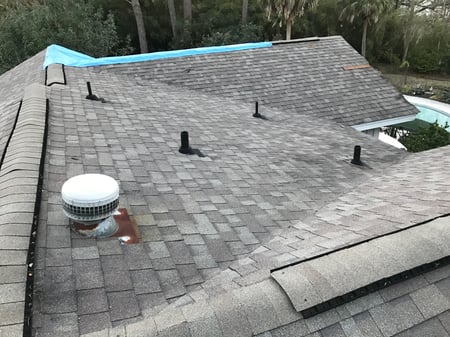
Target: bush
<point>426,138</point>
<point>425,60</point>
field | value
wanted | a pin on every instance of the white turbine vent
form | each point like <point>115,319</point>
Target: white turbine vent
<point>90,198</point>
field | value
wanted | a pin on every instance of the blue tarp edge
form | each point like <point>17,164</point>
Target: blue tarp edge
<point>60,55</point>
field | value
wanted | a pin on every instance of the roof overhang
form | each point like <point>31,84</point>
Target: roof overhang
<point>384,122</point>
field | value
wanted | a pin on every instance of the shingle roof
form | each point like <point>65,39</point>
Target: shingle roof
<point>306,77</point>
<point>267,193</point>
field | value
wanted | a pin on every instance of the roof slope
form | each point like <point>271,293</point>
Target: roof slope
<point>196,214</point>
<point>303,77</point>
<point>244,302</point>
<point>266,193</point>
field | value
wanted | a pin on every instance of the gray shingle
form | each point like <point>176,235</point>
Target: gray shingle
<point>92,301</point>
<point>12,313</point>
<point>145,281</point>
<point>367,325</point>
<point>257,183</point>
<point>258,309</point>
<point>15,330</point>
<point>12,274</point>
<point>297,328</point>
<point>94,322</point>
<point>428,328</point>
<point>445,320</point>
<point>333,331</point>
<point>396,316</point>
<point>364,303</point>
<point>430,301</point>
<point>201,320</point>
<point>340,101</point>
<point>123,305</point>
<point>231,317</point>
<point>322,320</point>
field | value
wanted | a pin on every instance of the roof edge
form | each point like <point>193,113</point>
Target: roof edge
<point>306,39</point>
<point>384,122</point>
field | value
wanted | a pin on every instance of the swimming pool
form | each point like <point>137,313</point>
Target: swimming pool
<point>431,111</point>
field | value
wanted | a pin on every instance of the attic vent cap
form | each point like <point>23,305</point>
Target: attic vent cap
<point>90,197</point>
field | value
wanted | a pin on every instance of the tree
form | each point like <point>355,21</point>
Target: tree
<point>136,5</point>
<point>369,11</point>
<point>74,24</point>
<point>8,5</point>
<point>173,16</point>
<point>187,11</point>
<point>239,34</point>
<point>426,138</point>
<point>286,11</point>
<point>244,16</point>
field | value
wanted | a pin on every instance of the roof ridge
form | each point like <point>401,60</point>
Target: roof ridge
<point>23,174</point>
<point>56,54</point>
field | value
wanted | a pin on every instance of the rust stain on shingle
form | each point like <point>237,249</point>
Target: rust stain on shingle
<point>358,66</point>
<point>128,232</point>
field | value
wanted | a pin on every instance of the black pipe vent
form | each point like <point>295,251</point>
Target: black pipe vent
<point>256,114</point>
<point>91,96</point>
<point>185,148</point>
<point>357,156</point>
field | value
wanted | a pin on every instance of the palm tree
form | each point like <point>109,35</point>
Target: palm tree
<point>286,11</point>
<point>369,11</point>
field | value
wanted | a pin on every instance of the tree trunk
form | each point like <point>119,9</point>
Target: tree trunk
<point>244,11</point>
<point>364,38</point>
<point>288,29</point>
<point>173,16</point>
<point>405,51</point>
<point>187,11</point>
<point>140,26</point>
<point>408,35</point>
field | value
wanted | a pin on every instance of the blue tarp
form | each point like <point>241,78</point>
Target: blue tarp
<point>61,55</point>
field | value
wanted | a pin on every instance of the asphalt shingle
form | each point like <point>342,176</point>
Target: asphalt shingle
<point>315,73</point>
<point>266,192</point>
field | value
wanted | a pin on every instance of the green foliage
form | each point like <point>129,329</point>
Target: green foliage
<point>444,96</point>
<point>284,12</point>
<point>28,26</point>
<point>367,11</point>
<point>240,34</point>
<point>425,60</point>
<point>74,24</point>
<point>426,138</point>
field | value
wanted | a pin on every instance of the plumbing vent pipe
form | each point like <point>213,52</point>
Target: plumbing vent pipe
<point>256,114</point>
<point>90,201</point>
<point>185,148</point>
<point>357,156</point>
